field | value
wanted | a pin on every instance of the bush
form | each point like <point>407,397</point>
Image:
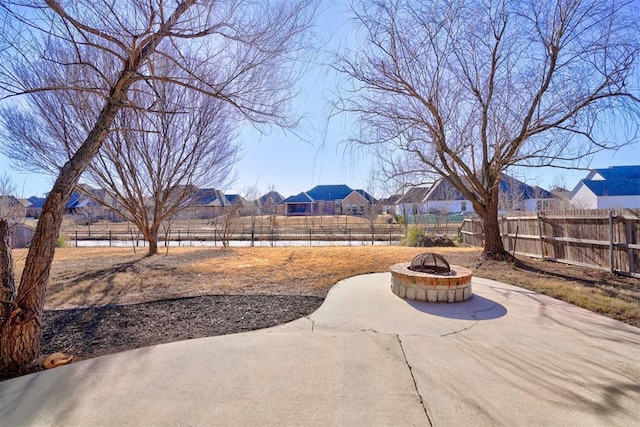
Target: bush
<point>416,237</point>
<point>413,237</point>
<point>61,241</point>
<point>435,241</point>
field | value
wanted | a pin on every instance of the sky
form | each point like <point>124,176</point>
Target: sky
<point>317,152</point>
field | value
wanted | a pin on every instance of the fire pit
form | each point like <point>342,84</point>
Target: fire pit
<point>429,277</point>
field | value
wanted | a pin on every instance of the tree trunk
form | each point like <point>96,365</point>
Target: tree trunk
<point>153,244</point>
<point>7,281</point>
<point>151,235</point>
<point>21,332</point>
<point>493,246</point>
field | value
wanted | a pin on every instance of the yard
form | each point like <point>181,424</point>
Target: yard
<point>196,292</point>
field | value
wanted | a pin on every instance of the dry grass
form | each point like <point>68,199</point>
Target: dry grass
<point>97,276</point>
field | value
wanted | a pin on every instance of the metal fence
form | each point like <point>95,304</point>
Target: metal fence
<point>604,239</point>
<point>243,237</point>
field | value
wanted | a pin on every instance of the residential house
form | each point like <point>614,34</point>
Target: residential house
<point>11,209</point>
<point>241,205</point>
<point>328,200</point>
<point>390,204</point>
<point>206,203</point>
<point>443,199</point>
<point>268,203</point>
<point>610,188</point>
<point>34,209</point>
<point>358,202</point>
<point>91,204</point>
<point>413,203</point>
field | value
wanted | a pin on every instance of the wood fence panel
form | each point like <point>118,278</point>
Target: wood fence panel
<point>605,239</point>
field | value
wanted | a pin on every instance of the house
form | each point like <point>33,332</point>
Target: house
<point>328,200</point>
<point>268,203</point>
<point>34,209</point>
<point>413,202</point>
<point>613,187</point>
<point>358,202</point>
<point>206,203</point>
<point>91,204</point>
<point>390,204</point>
<point>443,199</point>
<point>11,209</point>
<point>241,205</point>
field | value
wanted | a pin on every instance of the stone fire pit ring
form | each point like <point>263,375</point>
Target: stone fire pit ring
<point>453,286</point>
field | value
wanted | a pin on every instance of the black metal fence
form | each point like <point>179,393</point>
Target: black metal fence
<point>243,237</point>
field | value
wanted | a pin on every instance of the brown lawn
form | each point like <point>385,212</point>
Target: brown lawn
<point>97,276</point>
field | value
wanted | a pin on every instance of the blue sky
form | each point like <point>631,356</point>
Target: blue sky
<point>316,152</point>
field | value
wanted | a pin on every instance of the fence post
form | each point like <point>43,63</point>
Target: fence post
<point>76,238</point>
<point>178,237</point>
<point>611,266</point>
<point>309,236</point>
<point>109,238</point>
<point>540,234</point>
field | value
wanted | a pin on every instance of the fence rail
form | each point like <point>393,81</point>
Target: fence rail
<point>603,239</point>
<point>251,237</point>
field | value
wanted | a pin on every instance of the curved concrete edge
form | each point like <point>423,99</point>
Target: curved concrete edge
<point>365,357</point>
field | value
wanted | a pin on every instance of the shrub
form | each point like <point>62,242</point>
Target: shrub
<point>61,241</point>
<point>413,237</point>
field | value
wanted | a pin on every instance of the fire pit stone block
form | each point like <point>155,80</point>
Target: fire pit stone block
<point>454,286</point>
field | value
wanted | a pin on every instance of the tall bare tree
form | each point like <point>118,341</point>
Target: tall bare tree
<point>156,160</point>
<point>100,54</point>
<point>469,89</point>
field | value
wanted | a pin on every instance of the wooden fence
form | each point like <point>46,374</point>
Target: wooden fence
<point>604,239</point>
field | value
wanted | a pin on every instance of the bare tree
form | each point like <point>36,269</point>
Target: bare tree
<point>157,160</point>
<point>226,223</point>
<point>468,90</point>
<point>99,57</point>
<point>11,209</point>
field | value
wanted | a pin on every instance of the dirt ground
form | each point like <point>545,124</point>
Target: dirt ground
<point>101,301</point>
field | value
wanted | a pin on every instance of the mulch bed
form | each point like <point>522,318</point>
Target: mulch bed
<point>97,331</point>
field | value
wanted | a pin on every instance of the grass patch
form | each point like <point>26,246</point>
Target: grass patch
<point>98,276</point>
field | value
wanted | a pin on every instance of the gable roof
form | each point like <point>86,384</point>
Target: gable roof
<point>614,187</point>
<point>299,198</point>
<point>366,195</point>
<point>619,172</point>
<point>329,192</point>
<point>74,200</point>
<point>36,202</point>
<point>616,181</point>
<point>444,190</point>
<point>391,200</point>
<point>275,197</point>
<point>510,185</point>
<point>209,197</point>
<point>415,195</point>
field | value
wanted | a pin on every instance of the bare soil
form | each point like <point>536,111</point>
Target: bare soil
<point>106,300</point>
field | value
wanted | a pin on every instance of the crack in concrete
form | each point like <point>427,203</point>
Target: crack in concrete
<point>474,316</point>
<point>459,331</point>
<point>415,383</point>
